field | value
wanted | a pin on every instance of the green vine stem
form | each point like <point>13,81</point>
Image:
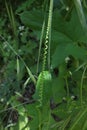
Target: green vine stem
<point>46,46</point>
<point>50,26</point>
<point>41,77</point>
<point>79,116</point>
<point>85,3</point>
<point>48,38</point>
<point>40,45</point>
<point>67,87</point>
<point>81,87</point>
<point>80,13</point>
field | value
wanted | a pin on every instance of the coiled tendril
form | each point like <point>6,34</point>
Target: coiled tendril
<point>46,47</point>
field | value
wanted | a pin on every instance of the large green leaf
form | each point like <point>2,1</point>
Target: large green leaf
<point>32,19</point>
<point>72,29</point>
<point>62,51</point>
<point>75,30</point>
<point>58,89</point>
<point>65,35</point>
<point>59,38</point>
<point>33,115</point>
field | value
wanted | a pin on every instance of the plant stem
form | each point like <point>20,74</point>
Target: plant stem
<point>78,119</point>
<point>82,79</point>
<point>39,113</point>
<point>50,24</point>
<point>41,39</point>
<point>27,68</point>
<point>67,87</point>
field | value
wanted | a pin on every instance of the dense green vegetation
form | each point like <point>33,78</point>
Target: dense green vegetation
<point>43,65</point>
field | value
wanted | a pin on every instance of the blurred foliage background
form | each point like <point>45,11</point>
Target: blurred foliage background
<point>21,45</point>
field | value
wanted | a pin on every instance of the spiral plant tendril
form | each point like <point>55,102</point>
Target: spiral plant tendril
<point>41,77</point>
<point>48,37</point>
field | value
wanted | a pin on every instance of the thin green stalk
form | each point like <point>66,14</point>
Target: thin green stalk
<point>48,35</point>
<point>80,13</point>
<point>68,12</point>
<point>82,79</point>
<point>85,3</point>
<point>67,88</point>
<point>12,21</point>
<point>46,51</point>
<point>49,119</point>
<point>8,11</point>
<point>27,68</point>
<point>45,5</point>
<point>50,26</point>
<point>85,125</point>
<point>78,119</point>
<point>11,17</point>
<point>40,45</point>
<point>64,125</point>
<point>18,69</point>
<point>45,55</point>
<point>16,106</point>
<point>39,113</point>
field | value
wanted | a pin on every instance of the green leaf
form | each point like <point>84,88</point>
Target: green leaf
<point>71,29</point>
<point>32,19</point>
<point>75,30</point>
<point>58,89</point>
<point>43,87</point>
<point>33,114</point>
<point>65,35</point>
<point>59,38</point>
<point>62,51</point>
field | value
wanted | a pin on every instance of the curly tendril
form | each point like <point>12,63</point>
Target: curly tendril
<point>42,76</point>
<point>46,47</point>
